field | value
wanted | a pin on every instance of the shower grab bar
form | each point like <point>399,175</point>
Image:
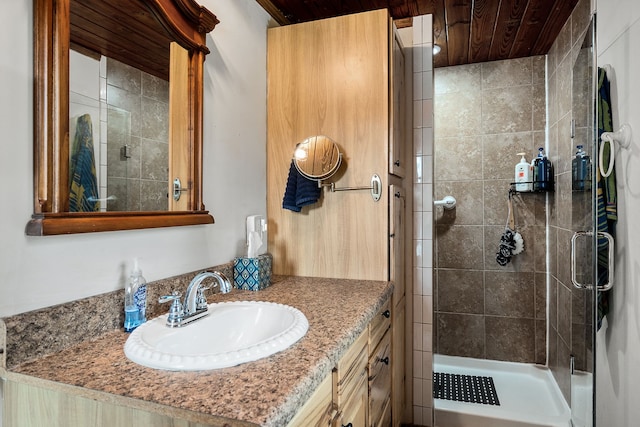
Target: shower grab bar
<point>610,266</point>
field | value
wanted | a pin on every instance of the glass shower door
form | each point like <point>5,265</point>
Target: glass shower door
<point>584,242</point>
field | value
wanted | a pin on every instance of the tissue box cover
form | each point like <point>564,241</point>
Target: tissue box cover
<point>252,274</point>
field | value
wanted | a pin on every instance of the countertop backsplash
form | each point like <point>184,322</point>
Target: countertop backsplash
<point>31,335</point>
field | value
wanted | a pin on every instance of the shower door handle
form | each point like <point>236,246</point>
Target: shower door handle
<point>611,249</point>
<point>610,261</point>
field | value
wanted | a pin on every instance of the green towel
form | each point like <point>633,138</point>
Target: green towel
<point>607,214</point>
<point>83,184</point>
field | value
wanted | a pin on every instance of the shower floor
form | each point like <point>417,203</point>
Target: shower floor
<point>529,397</point>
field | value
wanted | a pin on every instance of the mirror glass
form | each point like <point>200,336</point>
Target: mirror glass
<point>317,157</point>
<point>118,110</point>
<point>130,146</point>
<point>118,114</point>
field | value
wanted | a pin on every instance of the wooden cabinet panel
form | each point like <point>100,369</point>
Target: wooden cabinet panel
<point>397,132</point>
<point>398,371</point>
<point>330,77</point>
<point>380,324</point>
<point>397,240</point>
<point>354,411</point>
<point>30,406</point>
<point>379,380</point>
<point>318,411</point>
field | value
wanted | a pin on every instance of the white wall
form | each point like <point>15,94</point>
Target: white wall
<point>41,271</point>
<point>618,342</point>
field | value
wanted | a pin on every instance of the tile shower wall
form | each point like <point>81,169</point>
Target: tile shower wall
<point>137,112</point>
<point>484,115</point>
<point>568,308</point>
<point>422,220</point>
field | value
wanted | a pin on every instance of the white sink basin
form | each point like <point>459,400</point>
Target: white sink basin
<point>232,333</point>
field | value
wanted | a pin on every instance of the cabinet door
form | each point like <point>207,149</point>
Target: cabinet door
<point>379,380</point>
<point>318,411</point>
<point>397,132</point>
<point>353,412</point>
<point>398,375</point>
<point>397,217</point>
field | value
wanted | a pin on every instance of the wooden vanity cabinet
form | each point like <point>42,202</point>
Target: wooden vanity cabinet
<point>319,410</point>
<point>344,78</point>
<point>379,367</point>
<point>350,384</point>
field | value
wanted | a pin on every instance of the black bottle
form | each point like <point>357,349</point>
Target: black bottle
<point>542,172</point>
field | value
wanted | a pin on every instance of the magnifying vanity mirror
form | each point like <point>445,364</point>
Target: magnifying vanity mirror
<point>317,157</point>
<point>95,157</point>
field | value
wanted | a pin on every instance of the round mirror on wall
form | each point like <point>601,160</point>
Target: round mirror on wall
<point>317,157</point>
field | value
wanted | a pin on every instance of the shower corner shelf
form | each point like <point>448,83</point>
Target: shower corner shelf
<point>512,188</point>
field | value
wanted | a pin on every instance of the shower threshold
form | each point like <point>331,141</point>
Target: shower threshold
<point>528,395</point>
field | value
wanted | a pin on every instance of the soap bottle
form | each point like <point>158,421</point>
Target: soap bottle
<point>542,172</point>
<point>580,170</point>
<point>135,299</point>
<point>523,175</point>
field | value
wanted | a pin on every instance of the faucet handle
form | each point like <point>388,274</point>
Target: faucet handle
<point>201,299</point>
<point>175,296</point>
<point>175,311</point>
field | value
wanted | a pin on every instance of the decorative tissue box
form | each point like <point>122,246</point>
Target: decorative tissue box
<point>252,274</point>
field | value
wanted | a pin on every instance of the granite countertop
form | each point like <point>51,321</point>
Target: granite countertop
<point>267,392</point>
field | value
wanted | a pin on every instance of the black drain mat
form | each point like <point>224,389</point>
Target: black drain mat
<point>465,388</point>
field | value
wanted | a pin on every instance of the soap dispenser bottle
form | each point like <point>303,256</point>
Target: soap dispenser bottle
<point>580,170</point>
<point>135,299</point>
<point>542,172</point>
<point>523,174</point>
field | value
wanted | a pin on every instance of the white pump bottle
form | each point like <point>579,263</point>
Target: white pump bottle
<point>523,175</point>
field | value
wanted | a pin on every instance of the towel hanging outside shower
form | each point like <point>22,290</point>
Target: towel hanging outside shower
<point>607,214</point>
<point>83,184</point>
<point>299,191</point>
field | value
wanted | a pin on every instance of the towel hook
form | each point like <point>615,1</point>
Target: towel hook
<point>622,137</point>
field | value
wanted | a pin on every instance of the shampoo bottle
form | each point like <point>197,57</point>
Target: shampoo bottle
<point>580,171</point>
<point>135,299</point>
<point>542,172</point>
<point>523,175</point>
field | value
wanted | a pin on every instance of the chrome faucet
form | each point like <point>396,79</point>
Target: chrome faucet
<point>194,306</point>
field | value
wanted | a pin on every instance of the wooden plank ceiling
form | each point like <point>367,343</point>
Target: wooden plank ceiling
<point>467,31</point>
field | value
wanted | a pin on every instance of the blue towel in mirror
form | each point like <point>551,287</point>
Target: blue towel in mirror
<point>300,191</point>
<point>83,183</point>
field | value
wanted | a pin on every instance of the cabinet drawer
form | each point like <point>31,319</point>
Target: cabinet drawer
<point>350,370</point>
<point>379,380</point>
<point>380,324</point>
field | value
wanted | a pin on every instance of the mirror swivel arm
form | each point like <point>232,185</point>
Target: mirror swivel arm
<point>375,187</point>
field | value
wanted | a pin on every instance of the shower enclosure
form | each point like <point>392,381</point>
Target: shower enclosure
<point>537,311</point>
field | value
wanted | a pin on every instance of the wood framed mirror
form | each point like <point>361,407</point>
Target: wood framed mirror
<point>176,30</point>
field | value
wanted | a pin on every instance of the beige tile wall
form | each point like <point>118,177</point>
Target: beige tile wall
<point>484,115</point>
<point>136,108</point>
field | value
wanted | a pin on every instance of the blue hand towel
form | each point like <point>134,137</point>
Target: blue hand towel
<point>300,191</point>
<point>83,183</point>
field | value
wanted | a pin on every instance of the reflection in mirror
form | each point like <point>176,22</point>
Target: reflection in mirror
<point>132,153</point>
<point>111,128</point>
<point>317,157</point>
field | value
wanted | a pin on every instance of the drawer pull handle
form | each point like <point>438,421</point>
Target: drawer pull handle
<point>386,314</point>
<point>348,425</point>
<point>385,360</point>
